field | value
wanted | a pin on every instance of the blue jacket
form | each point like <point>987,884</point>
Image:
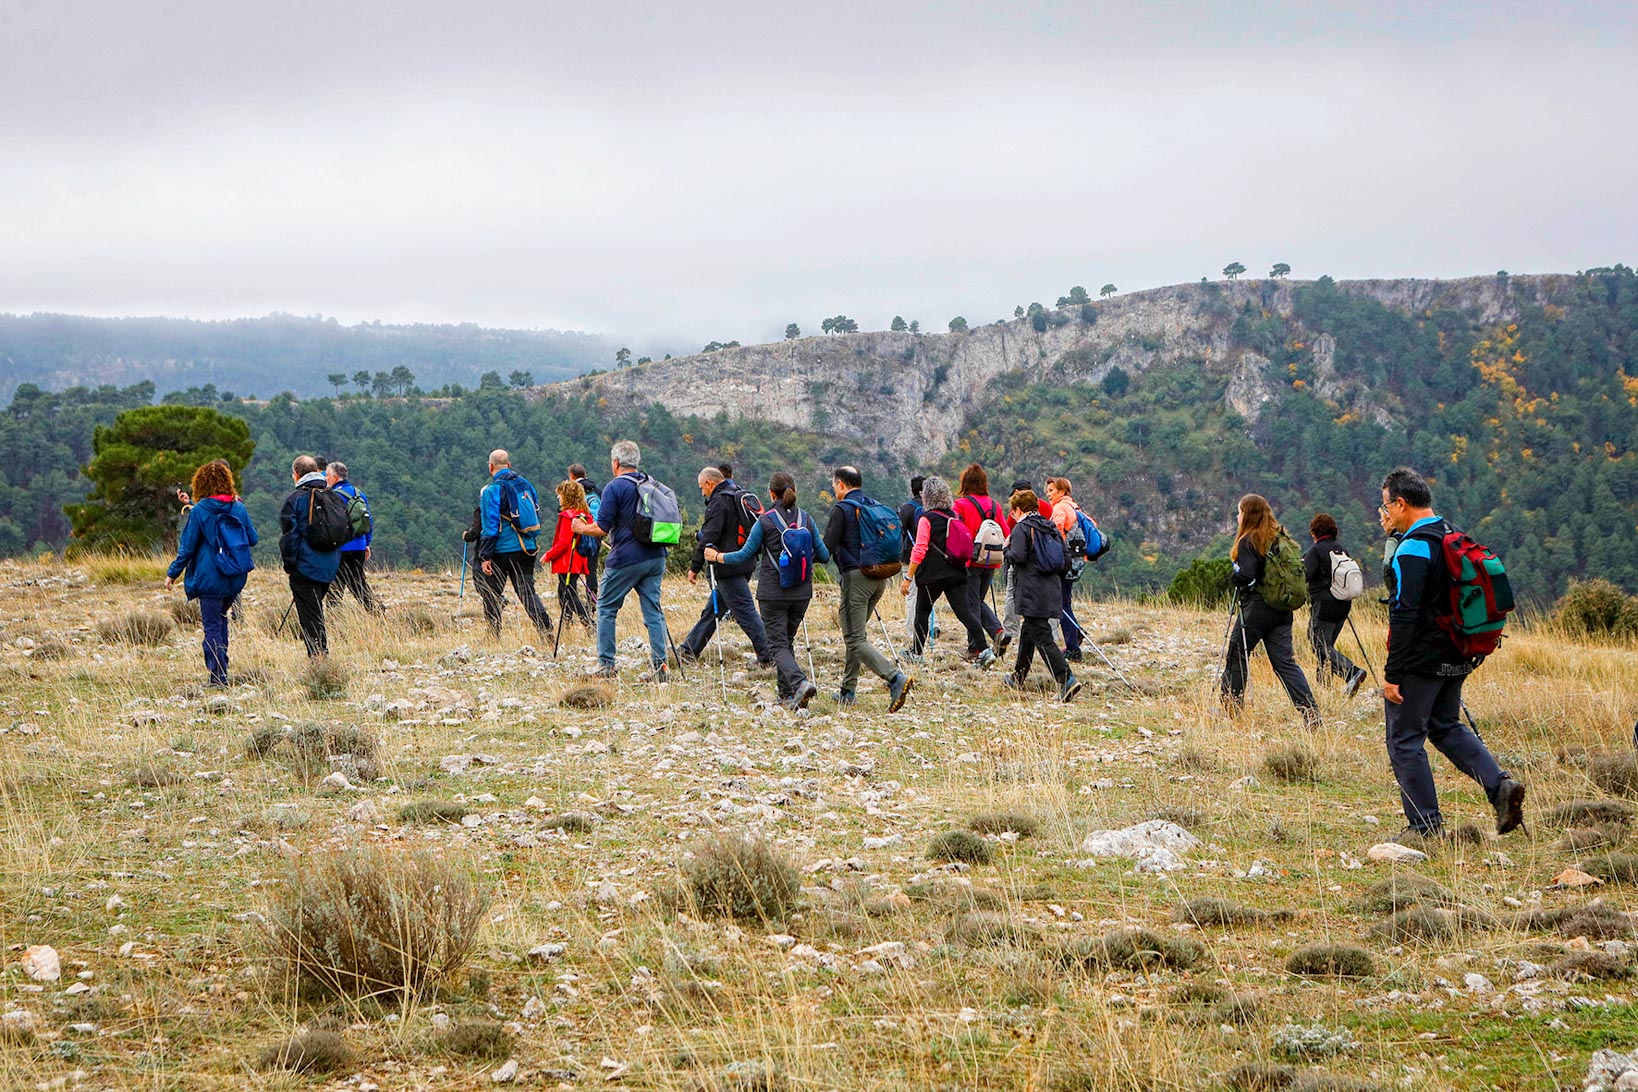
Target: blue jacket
<point>497,535</point>
<point>615,515</point>
<point>298,557</point>
<point>196,552</point>
<point>1420,589</point>
<point>362,542</point>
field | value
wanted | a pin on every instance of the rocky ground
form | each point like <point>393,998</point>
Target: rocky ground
<point>148,829</point>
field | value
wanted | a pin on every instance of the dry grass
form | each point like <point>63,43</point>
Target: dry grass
<point>121,570</point>
<point>744,878</point>
<point>140,627</point>
<point>314,1052</point>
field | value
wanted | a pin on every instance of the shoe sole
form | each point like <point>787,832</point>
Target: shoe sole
<point>898,703</point>
<point>1353,687</point>
<point>805,697</point>
<point>1513,817</point>
<point>1069,695</point>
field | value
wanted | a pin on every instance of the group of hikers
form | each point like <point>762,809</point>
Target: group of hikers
<point>941,544</point>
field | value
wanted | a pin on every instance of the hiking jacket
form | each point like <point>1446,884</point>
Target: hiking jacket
<point>1063,514</point>
<point>499,536</point>
<point>196,552</point>
<point>975,510</point>
<point>562,553</point>
<point>1247,575</point>
<point>1039,594</point>
<point>615,514</point>
<point>720,530</point>
<point>362,542</point>
<point>934,569</point>
<point>1420,597</point>
<point>842,530</point>
<point>300,558</point>
<point>1316,566</point>
<point>762,547</point>
<point>909,516</point>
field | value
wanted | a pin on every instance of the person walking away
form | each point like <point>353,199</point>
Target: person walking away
<point>909,516</point>
<point>508,545</point>
<point>1264,608</point>
<point>1063,515</point>
<point>567,554</point>
<point>938,567</point>
<point>1425,672</point>
<point>784,548</point>
<point>594,498</point>
<point>1010,618</point>
<point>632,506</point>
<point>350,573</point>
<point>729,515</point>
<point>989,527</point>
<point>864,577</point>
<point>310,567</point>
<point>214,553</point>
<point>1327,614</point>
<point>1035,550</point>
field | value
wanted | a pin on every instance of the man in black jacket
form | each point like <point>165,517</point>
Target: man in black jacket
<point>1326,613</point>
<point>725,516</point>
<point>1424,674</point>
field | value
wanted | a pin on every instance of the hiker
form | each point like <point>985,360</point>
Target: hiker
<point>782,545</point>
<point>1035,551</point>
<point>1326,613</point>
<point>1257,619</point>
<point>1009,616</point>
<point>865,571</point>
<point>594,497</point>
<point>507,545</point>
<point>568,554</point>
<point>1422,680</point>
<point>729,515</point>
<point>350,573</point>
<point>938,567</point>
<point>979,512</point>
<point>909,516</point>
<point>310,568</point>
<point>1063,514</point>
<point>635,562</point>
<point>214,552</point>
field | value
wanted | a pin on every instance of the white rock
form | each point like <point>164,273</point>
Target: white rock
<point>364,812</point>
<point>533,1008</point>
<point>507,1073</point>
<point>41,963</point>
<point>1477,983</point>
<point>780,940</point>
<point>440,1020</point>
<point>1627,1082</point>
<point>78,987</point>
<point>884,842</point>
<point>1156,846</point>
<point>545,953</point>
<point>20,1020</point>
<point>337,780</point>
<point>1394,853</point>
<point>890,951</point>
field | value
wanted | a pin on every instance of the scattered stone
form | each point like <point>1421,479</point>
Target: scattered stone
<point>1313,1041</point>
<point>41,963</point>
<point>506,1073</point>
<point>1156,846</point>
<point>1394,853</point>
<point>1574,877</point>
<point>546,953</point>
<point>1606,1068</point>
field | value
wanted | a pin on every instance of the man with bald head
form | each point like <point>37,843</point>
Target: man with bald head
<point>510,518</point>
<point>727,520</point>
<point>310,569</point>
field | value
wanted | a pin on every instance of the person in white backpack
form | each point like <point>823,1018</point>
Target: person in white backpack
<point>1335,580</point>
<point>990,525</point>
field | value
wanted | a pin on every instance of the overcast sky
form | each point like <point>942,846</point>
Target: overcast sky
<point>714,170</point>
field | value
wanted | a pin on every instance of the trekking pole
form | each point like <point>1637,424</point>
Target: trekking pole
<point>808,641</point>
<point>716,606</point>
<point>464,547</point>
<point>278,629</point>
<point>557,635</point>
<point>891,651</point>
<point>674,653</point>
<point>1362,650</point>
<point>1099,651</point>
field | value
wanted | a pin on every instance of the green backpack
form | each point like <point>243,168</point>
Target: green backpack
<point>1284,585</point>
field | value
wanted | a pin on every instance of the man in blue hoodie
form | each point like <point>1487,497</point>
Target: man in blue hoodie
<point>509,510</point>
<point>350,575</point>
<point>310,570</point>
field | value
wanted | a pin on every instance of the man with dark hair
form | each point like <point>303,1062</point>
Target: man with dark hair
<point>350,575</point>
<point>1423,677</point>
<point>909,515</point>
<point>860,593</point>
<point>725,516</point>
<point>1326,613</point>
<point>310,570</point>
<point>594,499</point>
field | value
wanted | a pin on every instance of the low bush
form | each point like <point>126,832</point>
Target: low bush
<point>1597,608</point>
<point>1430,923</point>
<point>572,822</point>
<point>1613,867</point>
<point>959,845</point>
<point>185,612</point>
<point>1582,965</point>
<point>140,627</point>
<point>154,774</point>
<point>432,811</point>
<point>981,928</point>
<point>1294,764</point>
<point>1211,910</point>
<point>1203,583</point>
<point>309,1052</point>
<point>478,1039</point>
<point>1132,949</point>
<point>1331,961</point>
<point>324,679</point>
<point>319,749</point>
<point>1594,920</point>
<point>1003,822</point>
<point>587,696</point>
<point>1582,813</point>
<point>731,876</point>
<point>1403,891</point>
<point>1615,772</point>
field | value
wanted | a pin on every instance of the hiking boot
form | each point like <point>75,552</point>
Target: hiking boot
<point>1355,680</point>
<point>606,671</point>
<point>660,674</point>
<point>845,697</point>
<point>972,656</point>
<point>1311,719</point>
<point>804,694</point>
<point>1070,688</point>
<point>1073,657</point>
<point>1003,640</point>
<point>1509,804</point>
<point>1011,681</point>
<point>985,659</point>
<point>898,690</point>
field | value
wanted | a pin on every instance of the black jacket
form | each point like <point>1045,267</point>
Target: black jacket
<point>909,511</point>
<point>1417,645</point>
<point>1040,595</point>
<point>1316,566</point>
<point>1247,576</point>
<point>842,531</point>
<point>720,529</point>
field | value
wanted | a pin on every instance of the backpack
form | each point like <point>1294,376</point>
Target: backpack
<point>1097,543</point>
<point>958,540</point>
<point>520,510</point>
<point>750,510</point>
<point>990,542</point>
<point>1046,551</point>
<point>358,514</point>
<point>1480,595</point>
<point>880,537</point>
<point>658,521</point>
<point>232,546</point>
<point>795,559</point>
<point>328,525</point>
<point>1284,585</point>
<point>1347,578</point>
<point>1075,550</point>
<point>587,545</point>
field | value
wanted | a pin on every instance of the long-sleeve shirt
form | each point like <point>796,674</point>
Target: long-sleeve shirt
<point>1417,645</point>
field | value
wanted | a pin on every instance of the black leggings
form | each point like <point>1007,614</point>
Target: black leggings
<point>954,594</point>
<point>782,621</point>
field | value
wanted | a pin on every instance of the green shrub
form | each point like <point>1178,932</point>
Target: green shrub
<point>478,1039</point>
<point>738,877</point>
<point>1597,608</point>
<point>324,679</point>
<point>1403,891</point>
<point>1331,961</point>
<point>1131,949</point>
<point>1293,764</point>
<point>1616,772</point>
<point>959,845</point>
<point>432,811</point>
<point>1002,822</point>
<point>309,1052</point>
<point>1211,910</point>
<point>1203,583</point>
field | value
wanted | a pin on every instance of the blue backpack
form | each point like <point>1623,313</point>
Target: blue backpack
<point>880,538</point>
<point>232,546</point>
<point>795,558</point>
<point>588,545</point>
<point>1047,550</point>
<point>520,510</point>
<point>1097,543</point>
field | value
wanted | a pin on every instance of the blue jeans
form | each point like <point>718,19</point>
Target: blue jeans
<point>643,577</point>
<point>213,614</point>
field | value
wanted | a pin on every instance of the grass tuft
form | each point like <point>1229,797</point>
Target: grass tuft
<point>1131,949</point>
<point>324,679</point>
<point>154,774</point>
<point>1430,923</point>
<point>574,822</point>
<point>432,811</point>
<point>1582,839</point>
<point>959,845</point>
<point>1585,813</point>
<point>1331,961</point>
<point>1261,1077</point>
<point>1294,764</point>
<point>140,627</point>
<point>309,1052</point>
<point>1615,772</point>
<point>1211,910</point>
<point>417,622</point>
<point>1186,816</point>
<point>587,696</point>
<point>1593,920</point>
<point>185,612</point>
<point>738,877</point>
<point>1588,965</point>
<point>1404,890</point>
<point>1613,867</point>
<point>478,1039</point>
<point>1002,822</point>
<point>263,740</point>
<point>51,648</point>
<point>984,928</point>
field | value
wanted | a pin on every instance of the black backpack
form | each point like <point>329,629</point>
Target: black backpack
<point>329,525</point>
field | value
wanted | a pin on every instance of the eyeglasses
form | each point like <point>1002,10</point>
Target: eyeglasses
<point>1384,508</point>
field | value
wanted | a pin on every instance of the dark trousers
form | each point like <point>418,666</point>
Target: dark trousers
<point>1322,635</point>
<point>732,596</point>
<point>591,576</point>
<point>1276,639</point>
<point>1035,635</point>
<point>978,586</point>
<point>569,601</point>
<point>1071,624</point>
<point>213,615</point>
<point>956,596</point>
<point>350,578</point>
<point>519,568</point>
<point>782,620</point>
<point>1432,713</point>
<point>309,596</point>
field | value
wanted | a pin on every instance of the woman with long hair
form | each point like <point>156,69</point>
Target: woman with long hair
<point>788,546</point>
<point>974,505</point>
<point>936,570</point>
<point>1255,621</point>
<point>214,552</point>
<point>570,565</point>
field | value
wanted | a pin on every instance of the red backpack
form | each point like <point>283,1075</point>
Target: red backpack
<point>1480,595</point>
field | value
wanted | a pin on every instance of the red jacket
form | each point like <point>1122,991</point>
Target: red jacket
<point>563,556</point>
<point>968,509</point>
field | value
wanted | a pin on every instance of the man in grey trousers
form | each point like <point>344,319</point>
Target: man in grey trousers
<point>860,593</point>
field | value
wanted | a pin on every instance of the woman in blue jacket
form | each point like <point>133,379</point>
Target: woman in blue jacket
<point>215,554</point>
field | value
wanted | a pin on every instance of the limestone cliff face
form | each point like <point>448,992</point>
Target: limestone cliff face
<point>909,395</point>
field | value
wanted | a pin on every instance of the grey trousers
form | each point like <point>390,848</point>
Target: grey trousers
<point>1432,713</point>
<point>860,594</point>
